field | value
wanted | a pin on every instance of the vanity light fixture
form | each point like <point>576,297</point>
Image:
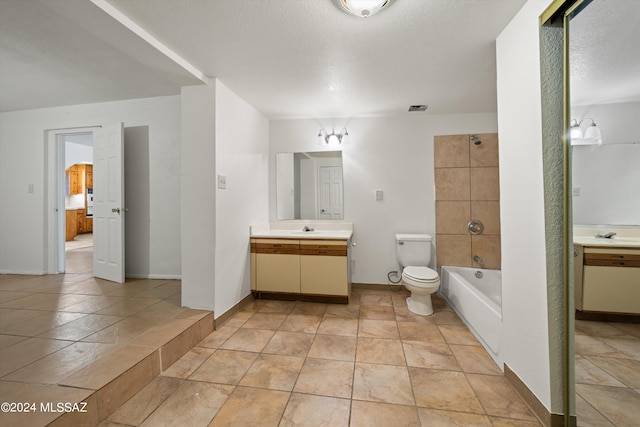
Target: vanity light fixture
<point>363,8</point>
<point>591,136</point>
<point>332,138</point>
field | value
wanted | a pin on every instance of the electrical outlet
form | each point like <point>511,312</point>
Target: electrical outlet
<point>379,195</point>
<point>222,182</point>
<point>576,191</point>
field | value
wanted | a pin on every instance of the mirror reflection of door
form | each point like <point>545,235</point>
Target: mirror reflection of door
<point>330,192</point>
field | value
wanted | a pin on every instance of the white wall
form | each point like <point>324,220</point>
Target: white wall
<point>524,293</point>
<point>393,154</point>
<point>22,162</point>
<point>77,153</point>
<point>241,155</point>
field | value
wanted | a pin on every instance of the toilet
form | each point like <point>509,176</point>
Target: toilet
<point>413,252</point>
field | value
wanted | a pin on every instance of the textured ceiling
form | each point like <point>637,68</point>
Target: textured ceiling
<point>287,58</point>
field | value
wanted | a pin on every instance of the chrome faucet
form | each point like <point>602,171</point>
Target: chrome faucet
<point>306,228</point>
<point>605,236</point>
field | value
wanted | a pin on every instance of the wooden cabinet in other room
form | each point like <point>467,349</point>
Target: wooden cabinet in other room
<point>71,225</point>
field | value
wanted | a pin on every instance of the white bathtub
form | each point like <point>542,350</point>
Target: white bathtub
<point>478,302</point>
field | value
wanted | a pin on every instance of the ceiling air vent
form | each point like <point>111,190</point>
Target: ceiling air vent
<point>417,108</point>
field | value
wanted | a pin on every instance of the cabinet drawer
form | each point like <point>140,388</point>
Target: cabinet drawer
<point>612,259</point>
<point>274,246</point>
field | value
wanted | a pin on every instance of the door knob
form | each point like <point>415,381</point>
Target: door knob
<point>475,227</point>
<point>116,210</point>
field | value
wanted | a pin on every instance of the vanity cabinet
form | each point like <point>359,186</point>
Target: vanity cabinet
<point>311,269</point>
<point>611,280</point>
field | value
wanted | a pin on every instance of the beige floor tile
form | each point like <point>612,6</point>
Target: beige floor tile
<point>367,414</point>
<point>348,311</point>
<point>379,350</point>
<point>26,351</point>
<point>53,368</point>
<point>218,337</point>
<point>475,359</point>
<point>224,367</point>
<point>376,299</point>
<point>447,317</point>
<point>499,398</point>
<point>588,373</point>
<point>37,322</point>
<point>107,367</point>
<point>128,307</point>
<point>239,319</point>
<point>404,315</point>
<point>8,341</point>
<point>246,339</point>
<point>630,347</point>
<point>458,334</point>
<point>588,416</point>
<point>139,407</point>
<point>440,418</point>
<point>446,390</point>
<point>339,326</point>
<point>6,296</point>
<point>164,332</point>
<point>274,306</point>
<point>510,422</point>
<point>123,331</point>
<point>333,347</point>
<point>254,305</point>
<point>252,407</point>
<point>428,355</point>
<point>629,328</point>
<point>301,323</point>
<point>627,371</point>
<point>412,331</point>
<point>378,329</point>
<point>313,411</point>
<point>193,404</point>
<point>326,377</point>
<point>187,364</point>
<point>377,312</point>
<point>590,346</point>
<point>382,383</point>
<point>599,329</point>
<point>81,327</point>
<point>265,321</point>
<point>309,308</point>
<point>619,405</point>
<point>274,372</point>
<point>289,343</point>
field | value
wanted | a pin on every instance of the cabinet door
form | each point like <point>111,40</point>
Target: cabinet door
<point>88,224</point>
<point>71,225</point>
<point>278,273</point>
<point>611,289</point>
<point>323,275</point>
<point>81,216</point>
<point>89,176</point>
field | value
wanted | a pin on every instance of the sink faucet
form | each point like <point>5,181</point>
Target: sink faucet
<point>306,228</point>
<point>605,236</point>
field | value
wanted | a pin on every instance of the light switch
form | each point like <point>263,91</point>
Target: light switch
<point>30,188</point>
<point>379,195</point>
<point>222,182</point>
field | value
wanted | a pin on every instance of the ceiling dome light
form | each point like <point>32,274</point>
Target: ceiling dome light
<point>363,8</point>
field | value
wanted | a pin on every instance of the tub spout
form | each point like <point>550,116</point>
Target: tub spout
<point>478,259</point>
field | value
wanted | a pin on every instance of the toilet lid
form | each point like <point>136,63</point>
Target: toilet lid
<point>421,274</point>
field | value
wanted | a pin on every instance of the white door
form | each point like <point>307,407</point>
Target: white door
<point>330,192</point>
<point>108,203</point>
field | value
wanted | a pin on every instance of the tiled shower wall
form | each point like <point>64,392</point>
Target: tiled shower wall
<point>467,187</point>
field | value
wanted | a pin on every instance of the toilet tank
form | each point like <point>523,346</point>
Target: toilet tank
<point>413,249</point>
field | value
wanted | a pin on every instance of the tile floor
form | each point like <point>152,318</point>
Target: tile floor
<point>368,363</point>
<point>73,338</point>
<point>607,373</point>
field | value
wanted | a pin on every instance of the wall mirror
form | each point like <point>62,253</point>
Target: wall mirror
<point>309,185</point>
<point>604,65</point>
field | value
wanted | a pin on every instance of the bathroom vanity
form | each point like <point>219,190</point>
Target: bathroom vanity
<point>289,263</point>
<point>607,274</point>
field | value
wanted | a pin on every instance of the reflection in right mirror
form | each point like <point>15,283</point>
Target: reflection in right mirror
<point>605,89</point>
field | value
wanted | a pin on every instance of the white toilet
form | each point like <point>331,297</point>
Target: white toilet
<point>413,252</point>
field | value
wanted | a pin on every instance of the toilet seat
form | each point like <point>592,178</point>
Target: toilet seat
<point>420,274</point>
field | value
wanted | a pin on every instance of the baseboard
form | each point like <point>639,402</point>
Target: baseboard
<point>24,273</point>
<point>154,276</point>
<point>547,418</point>
<point>607,317</point>
<point>374,286</point>
<point>224,317</point>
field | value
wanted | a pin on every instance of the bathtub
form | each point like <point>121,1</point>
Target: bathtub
<point>478,302</point>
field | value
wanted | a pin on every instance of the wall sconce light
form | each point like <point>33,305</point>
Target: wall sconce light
<point>332,138</point>
<point>591,136</point>
<point>362,8</point>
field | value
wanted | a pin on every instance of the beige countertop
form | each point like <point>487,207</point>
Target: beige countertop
<point>328,230</point>
<point>624,238</point>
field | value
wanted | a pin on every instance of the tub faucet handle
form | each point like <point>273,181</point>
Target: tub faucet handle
<point>478,259</point>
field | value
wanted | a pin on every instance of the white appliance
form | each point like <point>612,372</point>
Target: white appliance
<point>89,201</point>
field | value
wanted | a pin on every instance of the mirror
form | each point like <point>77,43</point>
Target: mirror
<point>309,185</point>
<point>605,87</point>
